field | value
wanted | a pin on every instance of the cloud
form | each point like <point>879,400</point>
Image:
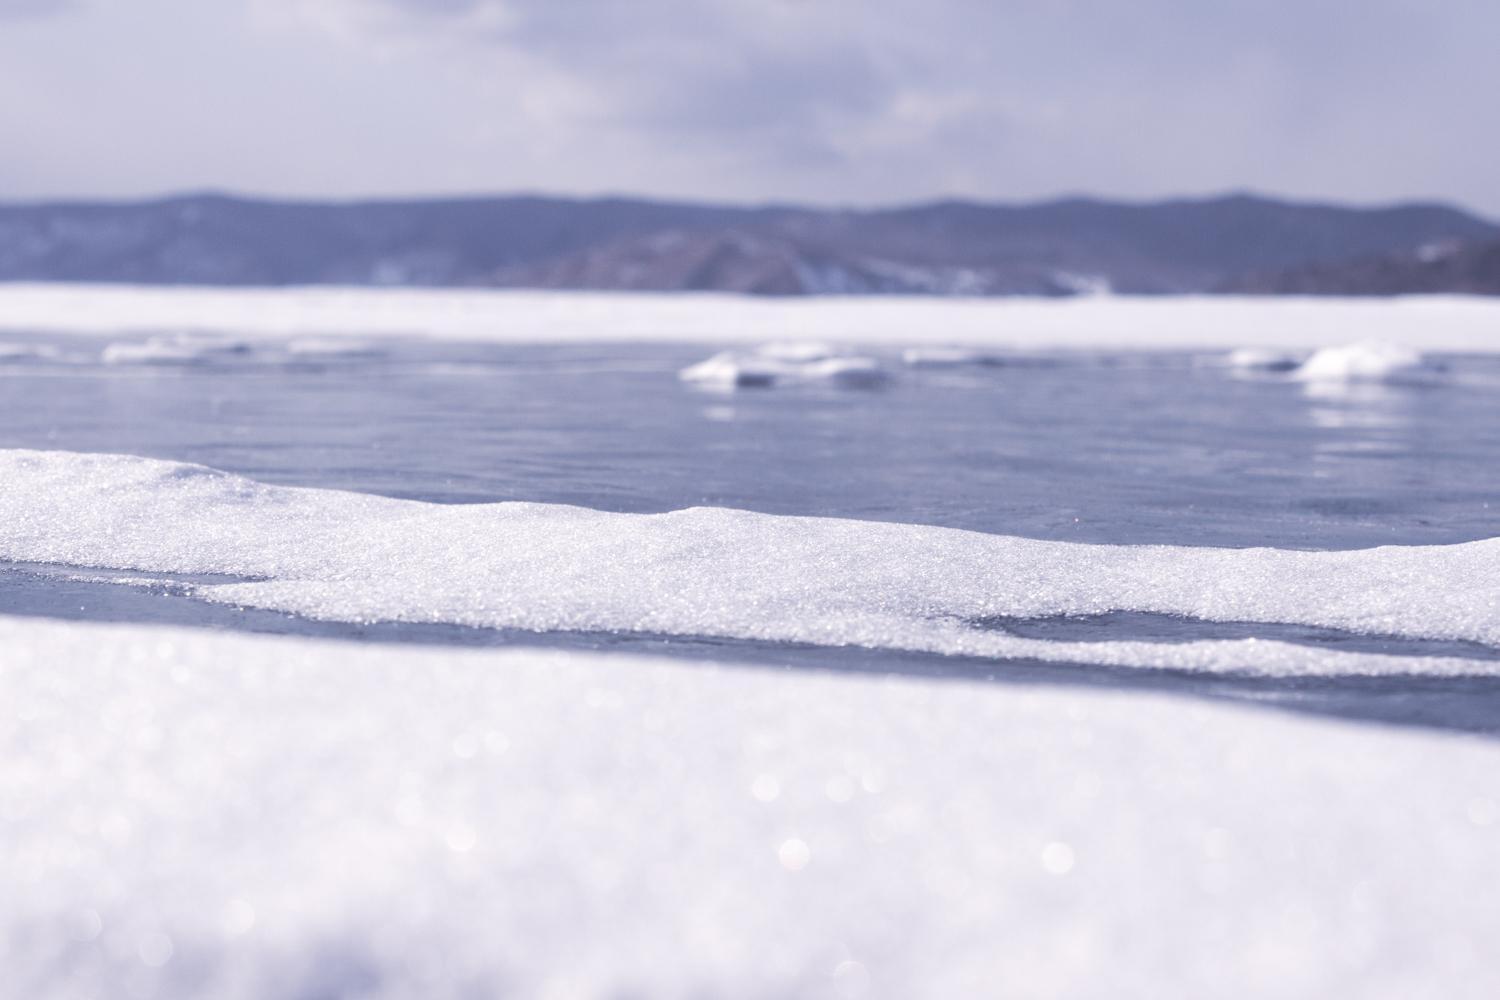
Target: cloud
<point>34,8</point>
<point>825,100</point>
<point>832,80</point>
<point>802,83</point>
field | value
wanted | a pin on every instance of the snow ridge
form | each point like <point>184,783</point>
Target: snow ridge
<point>730,573</point>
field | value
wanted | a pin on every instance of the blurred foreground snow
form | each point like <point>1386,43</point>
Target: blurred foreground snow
<point>192,814</point>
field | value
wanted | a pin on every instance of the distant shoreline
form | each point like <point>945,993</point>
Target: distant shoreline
<point>1426,323</point>
<point>1060,248</point>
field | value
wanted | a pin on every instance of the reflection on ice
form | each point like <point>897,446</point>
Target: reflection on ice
<point>1358,405</point>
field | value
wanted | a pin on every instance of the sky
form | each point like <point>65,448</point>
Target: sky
<point>839,102</point>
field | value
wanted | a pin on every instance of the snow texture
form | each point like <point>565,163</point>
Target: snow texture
<point>190,814</point>
<point>783,363</point>
<point>1368,361</point>
<point>730,573</point>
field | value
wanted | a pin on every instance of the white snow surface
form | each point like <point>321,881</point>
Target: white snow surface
<point>172,349</point>
<point>193,814</point>
<point>729,573</point>
<point>1372,361</point>
<point>1429,323</point>
<point>779,363</point>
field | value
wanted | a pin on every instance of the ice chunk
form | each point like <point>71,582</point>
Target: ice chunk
<point>779,364</point>
<point>1259,359</point>
<point>849,371</point>
<point>717,572</point>
<point>731,369</point>
<point>1371,361</point>
<point>796,351</point>
<point>174,349</point>
<point>947,357</point>
<point>331,347</point>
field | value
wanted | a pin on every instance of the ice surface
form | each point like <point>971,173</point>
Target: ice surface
<point>27,352</point>
<point>719,572</point>
<point>188,814</point>
<point>1369,361</point>
<point>1429,323</point>
<point>173,349</point>
<point>781,364</point>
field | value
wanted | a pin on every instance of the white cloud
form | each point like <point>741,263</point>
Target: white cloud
<point>34,8</point>
<point>831,100</point>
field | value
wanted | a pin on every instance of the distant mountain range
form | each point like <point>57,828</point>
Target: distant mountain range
<point>1236,243</point>
<point>1455,266</point>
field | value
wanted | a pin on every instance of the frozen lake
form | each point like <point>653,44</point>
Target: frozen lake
<point>820,676</point>
<point>1124,447</point>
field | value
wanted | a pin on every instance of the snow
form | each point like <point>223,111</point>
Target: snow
<point>173,349</point>
<point>783,363</point>
<point>191,814</point>
<point>1372,361</point>
<point>1429,323</point>
<point>718,572</point>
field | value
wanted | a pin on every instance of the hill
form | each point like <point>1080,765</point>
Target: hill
<point>953,247</point>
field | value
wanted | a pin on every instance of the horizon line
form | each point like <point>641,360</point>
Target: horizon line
<point>524,194</point>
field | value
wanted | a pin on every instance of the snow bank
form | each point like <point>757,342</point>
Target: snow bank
<point>191,814</point>
<point>717,572</point>
<point>782,364</point>
<point>1432,323</point>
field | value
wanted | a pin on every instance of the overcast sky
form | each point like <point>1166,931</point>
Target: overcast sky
<point>831,101</point>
